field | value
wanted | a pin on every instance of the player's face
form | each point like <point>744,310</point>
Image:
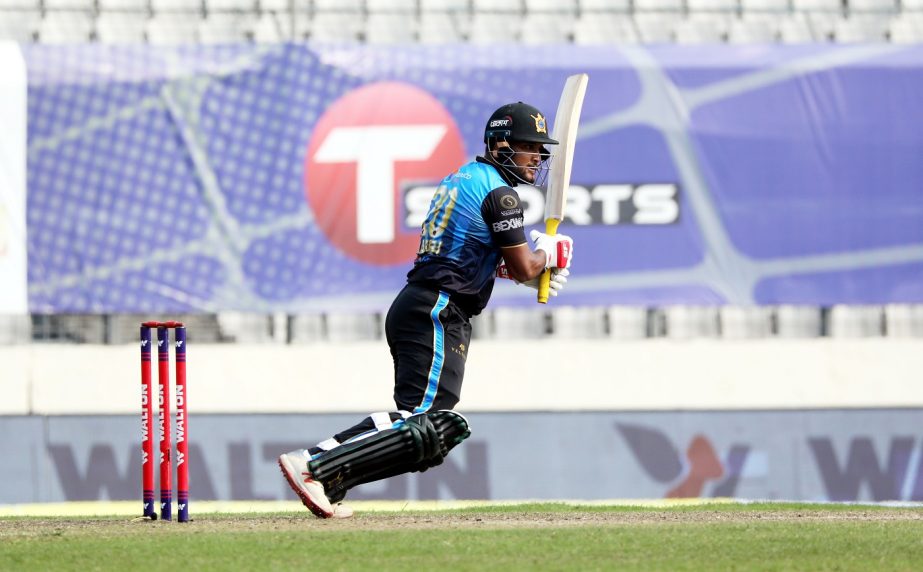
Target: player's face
<point>527,157</point>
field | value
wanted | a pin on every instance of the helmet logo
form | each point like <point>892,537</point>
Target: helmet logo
<point>539,123</point>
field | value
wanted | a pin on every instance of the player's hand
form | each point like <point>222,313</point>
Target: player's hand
<point>555,285</point>
<point>558,248</point>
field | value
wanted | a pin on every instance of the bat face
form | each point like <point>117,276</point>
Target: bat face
<point>566,121</point>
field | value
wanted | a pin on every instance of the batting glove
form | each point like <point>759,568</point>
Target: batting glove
<point>555,285</point>
<point>558,248</point>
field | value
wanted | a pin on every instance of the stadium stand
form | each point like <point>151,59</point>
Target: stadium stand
<point>745,322</point>
<point>120,28</point>
<point>169,28</point>
<point>748,30</point>
<point>225,28</point>
<point>123,5</point>
<point>583,322</point>
<point>440,28</point>
<point>856,321</point>
<point>65,27</point>
<point>19,26</point>
<point>477,21</point>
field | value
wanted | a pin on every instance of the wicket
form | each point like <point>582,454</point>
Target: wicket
<point>147,422</point>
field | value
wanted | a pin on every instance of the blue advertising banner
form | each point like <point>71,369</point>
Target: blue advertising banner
<point>294,177</point>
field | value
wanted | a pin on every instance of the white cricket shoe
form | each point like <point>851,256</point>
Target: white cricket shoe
<point>294,465</point>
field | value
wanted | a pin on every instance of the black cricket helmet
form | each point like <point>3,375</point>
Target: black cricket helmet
<point>518,122</point>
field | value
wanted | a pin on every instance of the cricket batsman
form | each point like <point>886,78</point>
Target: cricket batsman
<point>473,233</point>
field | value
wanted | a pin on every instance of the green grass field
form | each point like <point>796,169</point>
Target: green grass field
<point>508,537</point>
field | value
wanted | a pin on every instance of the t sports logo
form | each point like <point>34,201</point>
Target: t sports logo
<point>367,146</point>
<point>604,204</point>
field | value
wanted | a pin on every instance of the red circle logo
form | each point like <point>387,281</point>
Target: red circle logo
<point>367,145</point>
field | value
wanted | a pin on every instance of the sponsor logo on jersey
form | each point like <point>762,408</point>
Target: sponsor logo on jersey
<point>508,224</point>
<point>368,145</point>
<point>508,202</point>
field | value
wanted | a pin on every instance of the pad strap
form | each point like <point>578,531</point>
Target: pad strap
<point>420,442</point>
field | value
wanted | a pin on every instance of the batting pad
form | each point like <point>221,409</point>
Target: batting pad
<point>414,444</point>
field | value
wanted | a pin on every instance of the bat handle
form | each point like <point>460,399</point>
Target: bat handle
<point>551,227</point>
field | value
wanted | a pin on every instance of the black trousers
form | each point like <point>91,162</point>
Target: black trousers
<point>428,336</point>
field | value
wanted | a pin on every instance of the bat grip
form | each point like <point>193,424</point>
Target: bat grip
<point>551,227</point>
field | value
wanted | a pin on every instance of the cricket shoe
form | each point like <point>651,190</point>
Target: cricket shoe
<point>294,465</point>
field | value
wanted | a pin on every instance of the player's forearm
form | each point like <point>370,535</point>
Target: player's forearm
<point>527,267</point>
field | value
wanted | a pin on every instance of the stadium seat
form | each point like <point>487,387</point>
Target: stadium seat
<point>831,6</point>
<point>443,6</point>
<point>493,7</point>
<point>873,6</point>
<point>335,27</point>
<point>627,322</point>
<point>158,6</point>
<point>904,320</point>
<point>390,28</point>
<point>862,28</point>
<point>276,6</point>
<point>212,6</point>
<point>493,28</point>
<point>19,26</point>
<point>172,29</point>
<point>352,327</point>
<point>764,6</point>
<point>225,28</point>
<point>582,322</point>
<point>123,5</point>
<point>551,6</point>
<point>712,6</point>
<point>798,321</point>
<point>65,27</point>
<point>907,29</point>
<point>391,6</point>
<point>17,5</point>
<point>687,322</point>
<point>745,322</point>
<point>518,323</point>
<point>795,29</point>
<point>656,27</point>
<point>270,28</point>
<point>307,328</point>
<point>591,28</point>
<point>751,30</point>
<point>538,28</point>
<point>244,327</point>
<point>699,31</point>
<point>77,5</point>
<point>15,329</point>
<point>120,28</point>
<point>338,6</point>
<point>611,6</point>
<point>847,321</point>
<point>668,6</point>
<point>441,27</point>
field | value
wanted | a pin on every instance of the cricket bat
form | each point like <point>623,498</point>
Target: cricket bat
<point>564,131</point>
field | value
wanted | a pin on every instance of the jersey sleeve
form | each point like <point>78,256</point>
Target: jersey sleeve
<point>502,211</point>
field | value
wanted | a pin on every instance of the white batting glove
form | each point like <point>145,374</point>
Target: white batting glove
<point>555,285</point>
<point>558,248</point>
